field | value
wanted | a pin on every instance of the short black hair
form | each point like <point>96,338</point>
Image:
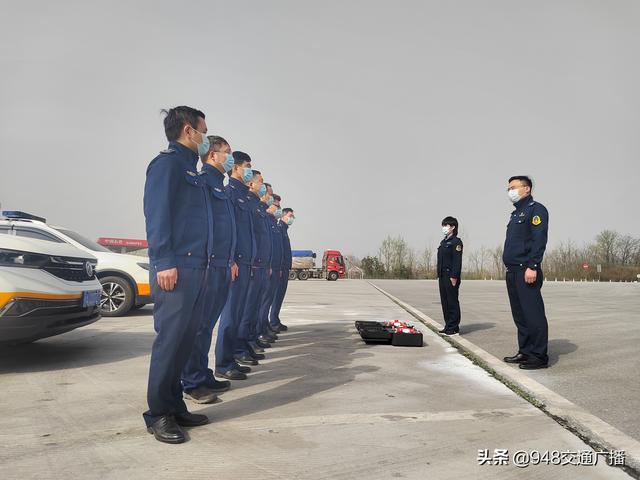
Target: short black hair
<point>256,172</point>
<point>267,185</point>
<point>217,143</point>
<point>524,179</point>
<point>276,197</point>
<point>177,117</point>
<point>240,157</point>
<point>287,210</point>
<point>451,221</point>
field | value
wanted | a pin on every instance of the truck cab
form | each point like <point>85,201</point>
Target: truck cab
<point>333,264</point>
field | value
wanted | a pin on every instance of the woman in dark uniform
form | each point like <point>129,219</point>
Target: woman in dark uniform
<point>449,269</point>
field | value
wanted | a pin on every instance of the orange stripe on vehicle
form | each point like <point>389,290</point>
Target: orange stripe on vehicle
<point>144,289</point>
<point>6,297</point>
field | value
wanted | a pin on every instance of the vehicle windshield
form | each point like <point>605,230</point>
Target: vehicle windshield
<point>85,242</point>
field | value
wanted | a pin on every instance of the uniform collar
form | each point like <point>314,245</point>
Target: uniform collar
<point>235,183</point>
<point>189,155</point>
<point>216,175</point>
<point>283,225</point>
<point>522,202</point>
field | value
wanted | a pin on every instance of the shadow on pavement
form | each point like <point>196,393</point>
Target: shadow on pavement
<point>474,327</point>
<point>94,347</point>
<point>560,346</point>
<point>321,362</point>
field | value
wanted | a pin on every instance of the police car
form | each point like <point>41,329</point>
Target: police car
<point>46,289</point>
<point>124,278</point>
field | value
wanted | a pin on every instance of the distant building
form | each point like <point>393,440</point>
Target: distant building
<point>125,245</point>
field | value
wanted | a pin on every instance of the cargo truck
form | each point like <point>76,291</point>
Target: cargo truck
<point>303,265</point>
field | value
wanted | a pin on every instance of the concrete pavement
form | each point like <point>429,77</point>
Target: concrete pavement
<point>324,405</point>
<point>594,333</point>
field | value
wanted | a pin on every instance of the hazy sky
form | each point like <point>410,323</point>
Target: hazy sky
<point>369,118</point>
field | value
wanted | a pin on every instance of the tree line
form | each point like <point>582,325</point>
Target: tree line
<point>617,254</point>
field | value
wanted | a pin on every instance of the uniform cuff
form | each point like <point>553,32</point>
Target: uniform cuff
<point>165,263</point>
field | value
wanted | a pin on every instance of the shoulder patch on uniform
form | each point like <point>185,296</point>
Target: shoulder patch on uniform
<point>458,248</point>
<point>193,174</point>
<point>167,151</point>
<point>536,220</point>
<point>217,189</point>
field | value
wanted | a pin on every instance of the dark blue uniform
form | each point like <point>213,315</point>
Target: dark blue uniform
<point>230,337</point>
<point>283,282</point>
<point>450,266</point>
<point>197,371</point>
<point>247,332</point>
<point>179,231</point>
<point>276,275</point>
<point>524,248</point>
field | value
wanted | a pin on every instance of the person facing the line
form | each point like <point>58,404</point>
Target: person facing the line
<point>524,248</point>
<point>449,272</point>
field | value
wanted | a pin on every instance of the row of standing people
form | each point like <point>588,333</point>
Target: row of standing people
<point>217,251</point>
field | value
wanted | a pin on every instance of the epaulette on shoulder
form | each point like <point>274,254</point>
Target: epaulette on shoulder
<point>167,151</point>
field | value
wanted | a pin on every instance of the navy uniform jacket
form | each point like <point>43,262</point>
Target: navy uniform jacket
<point>224,224</point>
<point>263,236</point>
<point>177,210</point>
<point>450,257</point>
<point>286,246</point>
<point>276,243</point>
<point>526,234</point>
<point>245,250</point>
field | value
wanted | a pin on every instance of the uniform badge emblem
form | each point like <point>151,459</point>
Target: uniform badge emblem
<point>522,214</point>
<point>536,220</point>
<point>217,189</point>
<point>458,248</point>
<point>189,172</point>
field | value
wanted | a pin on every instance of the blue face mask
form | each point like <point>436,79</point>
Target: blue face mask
<point>262,190</point>
<point>203,148</point>
<point>270,202</point>
<point>290,221</point>
<point>228,162</point>
<point>247,175</point>
<point>278,213</point>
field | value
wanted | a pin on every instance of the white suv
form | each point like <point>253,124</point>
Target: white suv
<point>46,289</point>
<point>124,278</point>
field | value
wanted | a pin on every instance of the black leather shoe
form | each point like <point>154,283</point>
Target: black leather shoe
<point>246,359</point>
<point>188,419</point>
<point>267,338</point>
<point>232,375</point>
<point>262,344</point>
<point>166,430</point>
<point>517,358</point>
<point>257,356</point>
<point>534,364</point>
<point>442,331</point>
<point>274,328</point>
<point>256,348</point>
<point>282,327</point>
<point>242,368</point>
<point>450,333</point>
<point>218,386</point>
<point>201,394</point>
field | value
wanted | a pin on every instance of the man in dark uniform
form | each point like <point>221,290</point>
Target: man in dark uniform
<point>178,222</point>
<point>276,272</point>
<point>247,330</point>
<point>449,272</point>
<point>229,328</point>
<point>523,251</point>
<point>286,220</point>
<point>198,382</point>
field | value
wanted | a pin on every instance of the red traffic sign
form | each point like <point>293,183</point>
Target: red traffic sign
<point>585,266</point>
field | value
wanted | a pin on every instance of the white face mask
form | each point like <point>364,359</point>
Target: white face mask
<point>514,196</point>
<point>445,230</point>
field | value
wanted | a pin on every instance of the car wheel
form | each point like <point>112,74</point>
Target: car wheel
<point>117,296</point>
<point>293,275</point>
<point>302,275</point>
<point>333,276</point>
